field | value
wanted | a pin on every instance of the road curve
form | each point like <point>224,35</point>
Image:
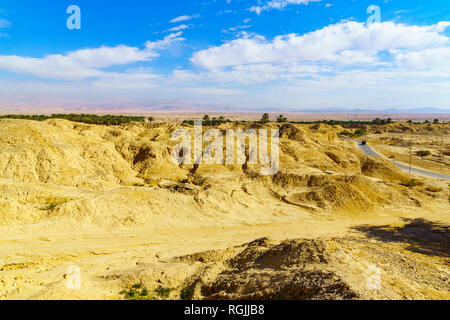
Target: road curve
<point>370,152</point>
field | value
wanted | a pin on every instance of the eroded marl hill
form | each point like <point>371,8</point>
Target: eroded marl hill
<point>125,175</point>
<point>110,200</point>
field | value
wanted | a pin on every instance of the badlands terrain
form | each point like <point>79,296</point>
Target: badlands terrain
<point>333,223</point>
<point>429,144</point>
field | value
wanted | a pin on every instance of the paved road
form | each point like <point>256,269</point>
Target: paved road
<point>370,152</point>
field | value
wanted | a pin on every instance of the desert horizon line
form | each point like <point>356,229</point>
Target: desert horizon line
<point>399,115</point>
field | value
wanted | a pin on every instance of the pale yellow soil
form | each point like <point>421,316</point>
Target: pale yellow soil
<point>110,201</point>
<point>36,258</point>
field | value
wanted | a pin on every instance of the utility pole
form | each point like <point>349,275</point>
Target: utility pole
<point>410,152</point>
<point>442,142</point>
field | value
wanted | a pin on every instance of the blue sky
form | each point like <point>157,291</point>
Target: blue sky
<point>226,54</point>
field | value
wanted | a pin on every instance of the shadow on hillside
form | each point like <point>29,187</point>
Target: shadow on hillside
<point>420,235</point>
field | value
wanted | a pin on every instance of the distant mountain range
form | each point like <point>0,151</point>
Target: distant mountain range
<point>374,111</point>
<point>205,107</point>
<point>132,107</point>
<point>226,108</point>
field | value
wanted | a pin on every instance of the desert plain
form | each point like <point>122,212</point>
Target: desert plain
<point>333,223</point>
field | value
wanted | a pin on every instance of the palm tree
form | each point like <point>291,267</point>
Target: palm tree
<point>265,118</point>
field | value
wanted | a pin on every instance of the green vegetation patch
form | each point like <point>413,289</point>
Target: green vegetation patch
<point>186,293</point>
<point>210,122</point>
<point>138,185</point>
<point>139,292</point>
<point>412,183</point>
<point>49,206</point>
<point>163,293</point>
<point>108,120</point>
<point>356,134</point>
<point>423,153</point>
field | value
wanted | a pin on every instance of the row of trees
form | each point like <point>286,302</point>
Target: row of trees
<point>108,120</point>
<point>207,121</point>
<point>435,121</point>
<point>280,119</point>
<point>111,120</point>
<point>381,122</point>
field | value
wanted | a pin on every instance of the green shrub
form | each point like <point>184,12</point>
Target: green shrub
<point>356,134</point>
<point>49,206</point>
<point>359,133</point>
<point>186,293</point>
<point>139,185</point>
<point>423,153</point>
<point>137,292</point>
<point>163,293</point>
<point>412,183</point>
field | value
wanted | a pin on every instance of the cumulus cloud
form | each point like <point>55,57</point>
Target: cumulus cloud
<point>343,42</point>
<point>85,63</point>
<point>434,58</point>
<point>348,64</point>
<point>339,65</point>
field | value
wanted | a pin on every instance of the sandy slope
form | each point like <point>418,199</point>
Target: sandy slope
<point>36,259</point>
<point>110,201</point>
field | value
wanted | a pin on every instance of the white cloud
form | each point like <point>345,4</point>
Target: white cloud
<point>339,42</point>
<point>435,58</point>
<point>278,4</point>
<point>342,65</point>
<point>178,28</point>
<point>85,63</point>
<point>165,43</point>
<point>236,29</point>
<point>347,64</point>
<point>184,18</point>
